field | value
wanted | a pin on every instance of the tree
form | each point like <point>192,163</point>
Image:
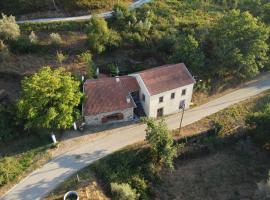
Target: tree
<point>161,142</point>
<point>239,45</point>
<point>187,50</point>
<point>9,29</point>
<point>49,99</point>
<point>100,36</point>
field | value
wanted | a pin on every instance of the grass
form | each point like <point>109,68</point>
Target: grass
<point>224,166</point>
<point>20,157</point>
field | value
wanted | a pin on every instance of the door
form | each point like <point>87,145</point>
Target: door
<point>182,104</point>
<point>159,112</point>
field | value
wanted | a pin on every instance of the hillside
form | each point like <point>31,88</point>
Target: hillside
<point>47,8</point>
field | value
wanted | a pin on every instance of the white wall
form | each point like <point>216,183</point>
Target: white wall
<point>93,120</point>
<point>143,90</point>
<point>169,105</point>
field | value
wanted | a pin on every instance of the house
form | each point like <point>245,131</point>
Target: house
<point>158,91</point>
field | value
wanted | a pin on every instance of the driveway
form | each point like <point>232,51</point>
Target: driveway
<point>45,179</point>
<point>134,5</point>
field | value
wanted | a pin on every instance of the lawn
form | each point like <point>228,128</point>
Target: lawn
<point>224,166</point>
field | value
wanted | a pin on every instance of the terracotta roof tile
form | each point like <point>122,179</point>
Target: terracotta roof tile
<point>108,95</point>
<point>166,78</point>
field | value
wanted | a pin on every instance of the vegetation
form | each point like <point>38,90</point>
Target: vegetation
<point>161,143</point>
<point>100,36</point>
<point>18,7</point>
<point>9,30</point>
<point>49,99</point>
<point>239,45</point>
<point>123,192</point>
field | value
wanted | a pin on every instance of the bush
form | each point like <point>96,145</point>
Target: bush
<point>123,192</point>
<point>23,46</point>
<point>4,51</point>
<point>10,168</point>
<point>55,39</point>
<point>7,124</point>
<point>140,186</point>
<point>33,38</point>
<point>9,29</point>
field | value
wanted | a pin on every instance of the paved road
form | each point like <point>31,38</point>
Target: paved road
<point>45,179</point>
<point>135,5</point>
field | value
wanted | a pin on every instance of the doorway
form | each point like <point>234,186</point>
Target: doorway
<point>159,112</point>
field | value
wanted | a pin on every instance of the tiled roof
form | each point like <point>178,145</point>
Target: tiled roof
<point>166,78</point>
<point>107,95</point>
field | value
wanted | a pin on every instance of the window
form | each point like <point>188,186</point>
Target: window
<point>143,97</point>
<point>160,99</point>
<point>184,91</point>
<point>160,112</point>
<point>172,95</point>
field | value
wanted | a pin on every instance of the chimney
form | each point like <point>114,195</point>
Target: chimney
<point>128,99</point>
<point>117,79</point>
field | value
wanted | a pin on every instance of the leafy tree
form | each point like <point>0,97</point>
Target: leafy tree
<point>161,142</point>
<point>100,36</point>
<point>9,29</point>
<point>113,70</point>
<point>49,99</point>
<point>239,45</point>
<point>187,50</point>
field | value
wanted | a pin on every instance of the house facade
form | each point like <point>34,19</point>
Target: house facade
<point>159,91</point>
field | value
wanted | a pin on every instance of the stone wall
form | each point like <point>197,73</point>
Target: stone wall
<point>93,120</point>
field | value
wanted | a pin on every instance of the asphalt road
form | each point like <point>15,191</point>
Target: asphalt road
<point>45,179</point>
<point>134,5</point>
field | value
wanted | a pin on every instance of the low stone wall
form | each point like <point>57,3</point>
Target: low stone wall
<point>93,120</point>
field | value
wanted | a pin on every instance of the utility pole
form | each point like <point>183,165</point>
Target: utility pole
<point>182,116</point>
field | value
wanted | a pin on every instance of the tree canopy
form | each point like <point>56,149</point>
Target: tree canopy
<point>100,36</point>
<point>161,142</point>
<point>239,45</point>
<point>49,99</point>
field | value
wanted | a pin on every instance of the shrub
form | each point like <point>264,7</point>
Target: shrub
<point>60,57</point>
<point>23,46</point>
<point>10,168</point>
<point>140,186</point>
<point>123,192</point>
<point>9,29</point>
<point>33,38</point>
<point>4,51</point>
<point>55,39</point>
